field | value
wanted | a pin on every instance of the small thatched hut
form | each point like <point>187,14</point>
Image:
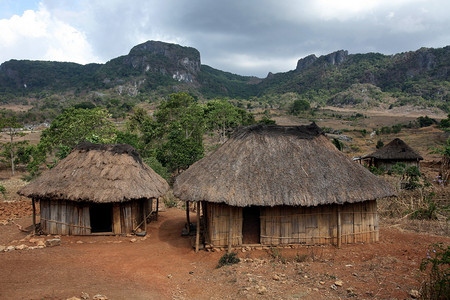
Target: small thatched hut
<point>275,185</point>
<point>392,153</point>
<point>96,189</point>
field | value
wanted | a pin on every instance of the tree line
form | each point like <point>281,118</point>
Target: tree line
<point>169,140</point>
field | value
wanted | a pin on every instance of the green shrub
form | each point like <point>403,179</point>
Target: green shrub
<point>228,259</point>
<point>376,171</point>
<point>380,144</point>
<point>3,190</point>
<point>437,265</point>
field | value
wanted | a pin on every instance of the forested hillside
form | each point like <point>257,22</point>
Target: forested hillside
<point>155,69</point>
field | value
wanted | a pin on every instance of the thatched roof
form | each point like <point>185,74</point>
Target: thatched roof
<point>395,150</point>
<point>274,165</point>
<point>98,173</point>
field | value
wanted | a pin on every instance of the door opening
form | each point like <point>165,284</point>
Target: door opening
<point>101,217</point>
<point>251,225</point>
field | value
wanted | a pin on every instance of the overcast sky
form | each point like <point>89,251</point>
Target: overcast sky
<point>250,37</point>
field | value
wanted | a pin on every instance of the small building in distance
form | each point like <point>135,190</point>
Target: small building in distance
<point>394,152</point>
<point>282,185</point>
<point>96,189</point>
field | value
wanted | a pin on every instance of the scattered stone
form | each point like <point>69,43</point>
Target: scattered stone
<point>53,242</point>
<point>100,297</point>
<point>355,274</point>
<point>84,296</point>
<point>80,242</point>
<point>276,277</point>
<point>21,247</point>
<point>322,282</point>
<point>338,283</point>
<point>333,287</point>
<point>261,290</point>
<point>2,248</point>
<point>35,240</point>
<point>315,289</point>
<point>73,298</point>
<point>40,244</point>
<point>9,248</point>
<point>243,250</point>
<point>414,294</point>
<point>133,240</point>
<point>306,276</point>
<point>169,276</point>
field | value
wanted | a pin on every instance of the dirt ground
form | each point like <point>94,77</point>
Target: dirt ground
<point>163,265</point>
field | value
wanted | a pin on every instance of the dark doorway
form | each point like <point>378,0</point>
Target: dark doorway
<point>101,217</point>
<point>251,225</point>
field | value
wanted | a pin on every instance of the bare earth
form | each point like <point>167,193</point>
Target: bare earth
<point>164,266</point>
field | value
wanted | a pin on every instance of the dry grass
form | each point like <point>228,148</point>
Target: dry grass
<point>402,212</point>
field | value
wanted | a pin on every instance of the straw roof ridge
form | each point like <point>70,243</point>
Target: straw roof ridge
<point>279,165</point>
<point>302,132</point>
<point>98,173</point>
<point>396,149</point>
<point>113,148</point>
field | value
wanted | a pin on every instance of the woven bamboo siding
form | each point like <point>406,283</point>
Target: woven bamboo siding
<point>218,224</point>
<point>318,225</point>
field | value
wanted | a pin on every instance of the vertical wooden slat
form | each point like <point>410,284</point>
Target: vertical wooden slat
<point>230,227</point>
<point>188,220</point>
<point>338,216</point>
<point>117,227</point>
<point>197,234</point>
<point>34,215</point>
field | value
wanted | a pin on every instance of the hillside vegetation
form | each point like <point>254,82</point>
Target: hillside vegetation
<point>153,70</point>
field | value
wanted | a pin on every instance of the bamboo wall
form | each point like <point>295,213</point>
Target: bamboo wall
<point>73,218</point>
<point>282,225</point>
<point>218,224</point>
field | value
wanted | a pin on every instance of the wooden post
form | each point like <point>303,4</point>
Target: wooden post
<point>157,208</point>
<point>188,220</point>
<point>197,234</point>
<point>34,216</point>
<point>230,227</point>
<point>144,214</point>
<point>339,238</point>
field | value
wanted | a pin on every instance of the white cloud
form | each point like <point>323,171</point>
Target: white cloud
<point>39,35</point>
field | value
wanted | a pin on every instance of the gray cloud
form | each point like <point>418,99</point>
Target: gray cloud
<point>255,37</point>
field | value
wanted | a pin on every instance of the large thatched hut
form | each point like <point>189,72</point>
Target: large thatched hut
<point>96,189</point>
<point>276,185</point>
<point>394,152</point>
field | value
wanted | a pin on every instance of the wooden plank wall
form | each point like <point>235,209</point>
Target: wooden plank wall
<point>64,217</point>
<point>218,224</point>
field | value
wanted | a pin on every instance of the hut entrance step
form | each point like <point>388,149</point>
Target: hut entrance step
<point>251,225</point>
<point>101,215</point>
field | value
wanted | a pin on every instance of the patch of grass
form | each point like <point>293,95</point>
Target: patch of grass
<point>228,259</point>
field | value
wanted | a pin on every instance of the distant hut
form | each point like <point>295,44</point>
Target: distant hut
<point>96,189</point>
<point>275,185</point>
<point>392,153</point>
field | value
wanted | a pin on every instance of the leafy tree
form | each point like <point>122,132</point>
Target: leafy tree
<point>180,127</point>
<point>222,116</point>
<point>299,106</point>
<point>76,125</point>
<point>179,152</point>
<point>13,129</point>
<point>73,126</point>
